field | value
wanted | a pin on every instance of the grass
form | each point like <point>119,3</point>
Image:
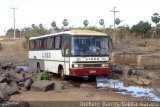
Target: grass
<point>44,75</point>
<point>58,90</point>
<point>142,45</point>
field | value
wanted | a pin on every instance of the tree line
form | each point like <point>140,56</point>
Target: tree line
<point>141,29</point>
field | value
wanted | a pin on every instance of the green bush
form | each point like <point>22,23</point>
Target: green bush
<point>58,90</point>
<point>44,75</point>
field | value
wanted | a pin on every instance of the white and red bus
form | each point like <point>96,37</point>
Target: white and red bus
<point>73,53</point>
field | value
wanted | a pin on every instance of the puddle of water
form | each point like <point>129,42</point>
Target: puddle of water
<point>135,91</point>
<point>24,67</point>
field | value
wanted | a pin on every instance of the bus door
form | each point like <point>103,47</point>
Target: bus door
<point>66,53</point>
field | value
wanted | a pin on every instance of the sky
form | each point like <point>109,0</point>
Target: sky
<point>30,12</point>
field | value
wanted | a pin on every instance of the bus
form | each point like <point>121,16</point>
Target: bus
<point>71,53</point>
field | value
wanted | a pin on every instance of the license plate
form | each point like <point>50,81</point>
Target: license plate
<point>92,71</point>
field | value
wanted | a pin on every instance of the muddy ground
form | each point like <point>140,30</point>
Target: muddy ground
<point>76,89</point>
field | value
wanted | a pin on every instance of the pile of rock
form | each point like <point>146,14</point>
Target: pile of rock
<point>138,75</point>
<point>14,81</point>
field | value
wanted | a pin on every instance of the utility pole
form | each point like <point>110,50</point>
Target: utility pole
<point>114,12</point>
<point>14,21</point>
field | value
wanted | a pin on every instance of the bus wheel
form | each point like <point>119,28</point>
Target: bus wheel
<point>38,67</point>
<point>92,77</point>
<point>63,77</point>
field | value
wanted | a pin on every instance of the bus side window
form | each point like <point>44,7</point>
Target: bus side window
<point>49,42</point>
<point>42,43</point>
<point>31,45</point>
<point>57,42</point>
<point>38,44</point>
<point>34,44</point>
<point>53,43</point>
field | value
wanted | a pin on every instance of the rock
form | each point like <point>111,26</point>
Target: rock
<point>134,78</point>
<point>146,82</point>
<point>42,85</point>
<point>58,86</point>
<point>142,81</point>
<point>17,75</point>
<point>13,76</point>
<point>23,89</point>
<point>28,83</point>
<point>21,79</point>
<point>14,85</point>
<point>139,82</point>
<point>4,96</point>
<point>134,72</point>
<point>9,90</point>
<point>152,75</point>
<point>87,86</point>
<point>3,79</point>
<point>19,70</point>
<point>21,84</point>
<point>8,76</point>
<point>127,71</point>
<point>117,68</point>
<point>8,66</point>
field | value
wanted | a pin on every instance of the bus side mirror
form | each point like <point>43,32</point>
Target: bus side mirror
<point>63,52</point>
<point>66,51</point>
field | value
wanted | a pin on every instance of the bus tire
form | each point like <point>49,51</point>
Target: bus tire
<point>61,73</point>
<point>92,77</point>
<point>38,67</point>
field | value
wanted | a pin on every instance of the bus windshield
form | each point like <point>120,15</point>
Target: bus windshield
<point>89,46</point>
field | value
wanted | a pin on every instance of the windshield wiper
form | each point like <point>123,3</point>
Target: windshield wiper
<point>99,51</point>
<point>84,51</point>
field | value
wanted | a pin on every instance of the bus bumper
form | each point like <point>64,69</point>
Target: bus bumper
<point>89,71</point>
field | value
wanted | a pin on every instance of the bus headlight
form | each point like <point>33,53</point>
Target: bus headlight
<point>80,66</point>
<point>104,65</point>
<point>74,65</point>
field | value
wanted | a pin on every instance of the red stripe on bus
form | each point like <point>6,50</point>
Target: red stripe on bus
<point>89,71</point>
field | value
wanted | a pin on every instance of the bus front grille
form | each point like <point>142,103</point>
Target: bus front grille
<point>92,65</point>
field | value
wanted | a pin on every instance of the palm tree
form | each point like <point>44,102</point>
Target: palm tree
<point>85,22</point>
<point>155,18</point>
<point>33,26</point>
<point>117,21</point>
<point>40,26</point>
<point>65,22</point>
<point>101,22</point>
<point>53,24</point>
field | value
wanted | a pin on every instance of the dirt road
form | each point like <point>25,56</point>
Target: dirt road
<point>74,94</point>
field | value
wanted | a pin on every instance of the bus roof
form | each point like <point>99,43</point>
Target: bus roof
<point>74,32</point>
